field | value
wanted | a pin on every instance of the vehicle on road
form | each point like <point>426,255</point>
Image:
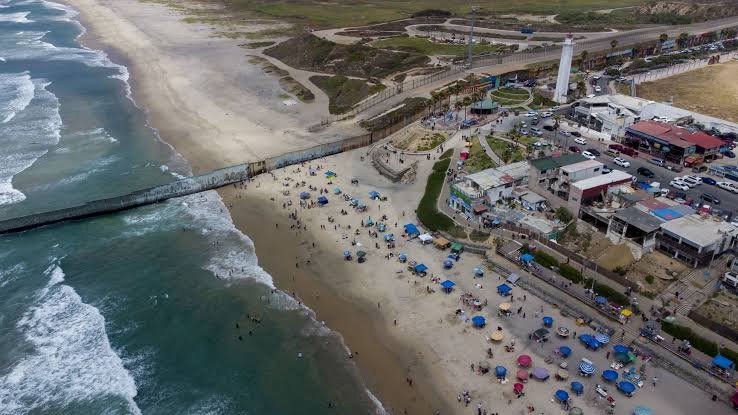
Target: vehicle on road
<point>622,79</point>
<point>588,155</point>
<point>594,151</point>
<point>621,162</point>
<point>531,113</point>
<point>698,179</point>
<point>591,96</point>
<point>657,161</point>
<point>645,172</point>
<point>629,151</point>
<point>565,133</point>
<point>678,184</point>
<point>555,108</point>
<point>706,197</point>
<point>709,180</point>
<point>576,133</point>
<point>729,154</point>
<point>689,181</point>
<point>596,77</point>
<point>575,149</point>
<point>598,88</point>
<point>580,141</point>
<point>547,114</point>
<point>728,186</point>
<point>606,169</point>
<point>615,147</point>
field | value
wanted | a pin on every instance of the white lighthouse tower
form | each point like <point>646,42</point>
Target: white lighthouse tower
<point>562,81</point>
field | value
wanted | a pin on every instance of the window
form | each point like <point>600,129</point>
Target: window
<point>597,169</point>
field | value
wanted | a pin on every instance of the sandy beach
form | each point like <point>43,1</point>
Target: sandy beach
<point>412,347</point>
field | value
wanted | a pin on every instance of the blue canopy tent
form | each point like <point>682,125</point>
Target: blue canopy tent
<point>374,194</point>
<point>620,348</point>
<point>389,237</point>
<point>577,388</point>
<point>361,206</point>
<point>448,285</point>
<point>402,257</point>
<point>503,289</point>
<point>526,258</point>
<point>304,195</point>
<point>610,375</point>
<point>548,321</point>
<point>722,362</point>
<point>626,387</point>
<point>421,268</point>
<point>411,229</point>
<point>323,200</point>
<point>600,300</point>
<point>479,272</point>
<point>336,190</point>
<point>565,351</point>
<point>561,395</point>
<point>381,227</point>
<point>500,371</point>
<point>330,174</point>
<point>642,410</point>
<point>479,321</point>
<point>448,263</point>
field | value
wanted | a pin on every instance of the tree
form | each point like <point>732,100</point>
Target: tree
<point>663,37</point>
<point>467,101</point>
<point>457,105</point>
<point>682,39</point>
<point>583,56</point>
<point>614,43</point>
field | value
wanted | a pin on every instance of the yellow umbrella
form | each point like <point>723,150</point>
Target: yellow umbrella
<point>497,336</point>
<point>505,306</point>
<point>626,312</point>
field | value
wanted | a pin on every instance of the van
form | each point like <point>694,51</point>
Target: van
<point>657,161</point>
<point>699,169</point>
<point>612,153</point>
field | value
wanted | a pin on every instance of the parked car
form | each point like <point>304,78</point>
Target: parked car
<point>729,154</point>
<point>699,169</point>
<point>629,151</point>
<point>657,161</point>
<point>621,162</point>
<point>536,131</point>
<point>531,113</point>
<point>615,147</point>
<point>588,155</point>
<point>698,179</point>
<point>709,180</point>
<point>548,127</point>
<point>645,172</point>
<point>594,151</point>
<point>575,149</point>
<point>598,88</point>
<point>622,79</point>
<point>678,184</point>
<point>706,197</point>
<point>689,181</point>
<point>580,141</point>
<point>576,133</point>
<point>524,131</point>
<point>565,133</point>
<point>606,169</point>
<point>547,114</point>
<point>728,186</point>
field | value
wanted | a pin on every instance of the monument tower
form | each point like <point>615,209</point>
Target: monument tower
<point>562,81</point>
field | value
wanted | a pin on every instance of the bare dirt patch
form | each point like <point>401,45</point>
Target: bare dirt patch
<point>420,139</point>
<point>662,269</point>
<point>710,90</point>
<point>722,308</point>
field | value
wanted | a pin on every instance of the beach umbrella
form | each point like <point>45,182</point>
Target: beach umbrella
<point>602,338</point>
<point>389,237</point>
<point>478,271</point>
<point>620,348</point>
<point>374,194</point>
<point>336,190</point>
<point>600,300</point>
<point>526,258</point>
<point>448,284</point>
<point>448,263</point>
<point>346,253</point>
<point>500,371</point>
<point>593,344</point>
<point>524,360</point>
<point>304,195</point>
<point>323,200</point>
<point>402,257</point>
<point>642,410</point>
<point>497,336</point>
<point>610,375</point>
<point>577,387</point>
<point>587,368</point>
<point>585,338</point>
<point>565,351</point>
<point>561,395</point>
<point>576,411</point>
<point>329,174</point>
<point>562,374</point>
<point>354,202</point>
<point>548,321</point>
<point>522,374</point>
<point>518,387</point>
<point>479,321</point>
<point>540,373</point>
<point>505,306</point>
<point>360,254</point>
<point>421,268</point>
<point>626,387</point>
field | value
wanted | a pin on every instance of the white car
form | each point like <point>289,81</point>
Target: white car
<point>689,181</point>
<point>531,113</point>
<point>697,179</point>
<point>580,141</point>
<point>621,162</point>
<point>596,77</point>
<point>565,133</point>
<point>728,186</point>
<point>679,185</point>
<point>547,114</point>
<point>598,88</point>
<point>588,155</point>
<point>555,108</point>
<point>591,96</point>
<point>622,79</point>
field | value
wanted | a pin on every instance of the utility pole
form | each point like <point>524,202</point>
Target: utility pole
<point>471,34</point>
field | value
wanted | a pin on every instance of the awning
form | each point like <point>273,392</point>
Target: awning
<point>457,247</point>
<point>480,209</point>
<point>448,284</point>
<point>412,229</point>
<point>626,312</point>
<point>425,237</point>
<point>722,362</point>
<point>441,242</point>
<point>503,289</point>
<point>421,268</point>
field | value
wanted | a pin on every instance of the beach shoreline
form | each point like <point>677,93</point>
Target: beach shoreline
<point>383,363</point>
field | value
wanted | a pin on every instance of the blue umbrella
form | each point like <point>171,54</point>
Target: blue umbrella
<point>346,253</point>
<point>619,348</point>
<point>448,284</point>
<point>448,263</point>
<point>610,375</point>
<point>304,195</point>
<point>329,173</point>
<point>337,191</point>
<point>577,387</point>
<point>500,371</point>
<point>402,257</point>
<point>600,300</point>
<point>478,321</point>
<point>478,271</point>
<point>565,351</point>
<point>389,237</point>
<point>585,338</point>
<point>421,268</point>
<point>526,258</point>
<point>374,194</point>
<point>594,344</point>
<point>323,200</point>
<point>587,368</point>
<point>626,387</point>
<point>354,202</point>
<point>642,410</point>
<point>561,395</point>
<point>602,338</point>
<point>548,321</point>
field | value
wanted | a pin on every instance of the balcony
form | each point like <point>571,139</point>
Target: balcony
<point>682,247</point>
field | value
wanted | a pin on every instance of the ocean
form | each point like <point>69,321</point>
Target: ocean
<point>158,310</point>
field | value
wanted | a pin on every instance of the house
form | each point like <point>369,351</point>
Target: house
<point>531,200</point>
<point>594,189</point>
<point>610,114</point>
<point>545,172</point>
<point>474,193</point>
<point>638,229</point>
<point>695,239</point>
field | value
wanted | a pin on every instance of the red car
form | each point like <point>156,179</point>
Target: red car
<point>615,147</point>
<point>629,151</point>
<point>575,149</point>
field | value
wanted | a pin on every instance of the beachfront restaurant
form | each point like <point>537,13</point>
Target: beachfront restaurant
<point>660,140</point>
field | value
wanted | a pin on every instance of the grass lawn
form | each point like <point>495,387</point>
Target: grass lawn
<point>428,212</point>
<point>427,47</point>
<point>478,159</point>
<point>513,92</point>
<point>539,101</point>
<point>509,97</point>
<point>508,152</point>
<point>429,142</point>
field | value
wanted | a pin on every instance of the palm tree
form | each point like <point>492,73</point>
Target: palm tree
<point>467,101</point>
<point>457,106</point>
<point>682,39</point>
<point>663,38</point>
<point>583,56</point>
<point>614,43</point>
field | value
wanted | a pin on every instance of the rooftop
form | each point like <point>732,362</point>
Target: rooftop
<point>491,178</point>
<point>582,165</point>
<point>662,131</point>
<point>549,163</point>
<point>698,230</point>
<point>616,176</point>
<point>641,220</point>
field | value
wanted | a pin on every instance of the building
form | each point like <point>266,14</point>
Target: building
<point>473,193</point>
<point>636,228</point>
<point>594,189</point>
<point>695,239</point>
<point>562,80</point>
<point>661,140</point>
<point>544,172</point>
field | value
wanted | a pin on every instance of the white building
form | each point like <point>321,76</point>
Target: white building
<point>487,187</point>
<point>695,239</point>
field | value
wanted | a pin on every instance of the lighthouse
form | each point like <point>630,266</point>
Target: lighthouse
<point>562,81</point>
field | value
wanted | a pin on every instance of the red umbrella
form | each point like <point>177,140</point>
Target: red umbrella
<point>522,374</point>
<point>524,360</point>
<point>518,387</point>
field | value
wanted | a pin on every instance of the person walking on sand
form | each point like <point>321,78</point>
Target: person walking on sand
<point>654,380</point>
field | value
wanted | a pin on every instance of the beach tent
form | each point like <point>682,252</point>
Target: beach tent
<point>478,321</point>
<point>304,195</point>
<point>381,227</point>
<point>347,254</point>
<point>354,202</point>
<point>548,321</point>
<point>610,375</point>
<point>513,278</point>
<point>441,243</point>
<point>577,388</point>
<point>500,371</point>
<point>722,362</point>
<point>323,200</point>
<point>642,410</point>
<point>330,174</point>
<point>518,388</point>
<point>626,387</point>
<point>541,335</point>
<point>497,336</point>
<point>421,268</point>
<point>540,373</point>
<point>448,285</point>
<point>600,300</point>
<point>457,247</point>
<point>478,271</point>
<point>522,374</point>
<point>526,258</point>
<point>565,351</point>
<point>425,238</point>
<point>411,229</point>
<point>561,395</point>
<point>373,194</point>
<point>524,360</point>
<point>562,374</point>
<point>503,289</point>
<point>360,254</point>
<point>448,264</point>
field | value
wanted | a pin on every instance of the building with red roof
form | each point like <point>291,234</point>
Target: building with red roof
<point>672,143</point>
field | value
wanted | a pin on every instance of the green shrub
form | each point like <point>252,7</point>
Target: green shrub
<point>620,270</point>
<point>563,215</point>
<point>570,273</point>
<point>545,260</point>
<point>446,154</point>
<point>610,293</point>
<point>685,333</point>
<point>649,279</point>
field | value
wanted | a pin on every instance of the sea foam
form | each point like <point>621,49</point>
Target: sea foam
<point>19,17</point>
